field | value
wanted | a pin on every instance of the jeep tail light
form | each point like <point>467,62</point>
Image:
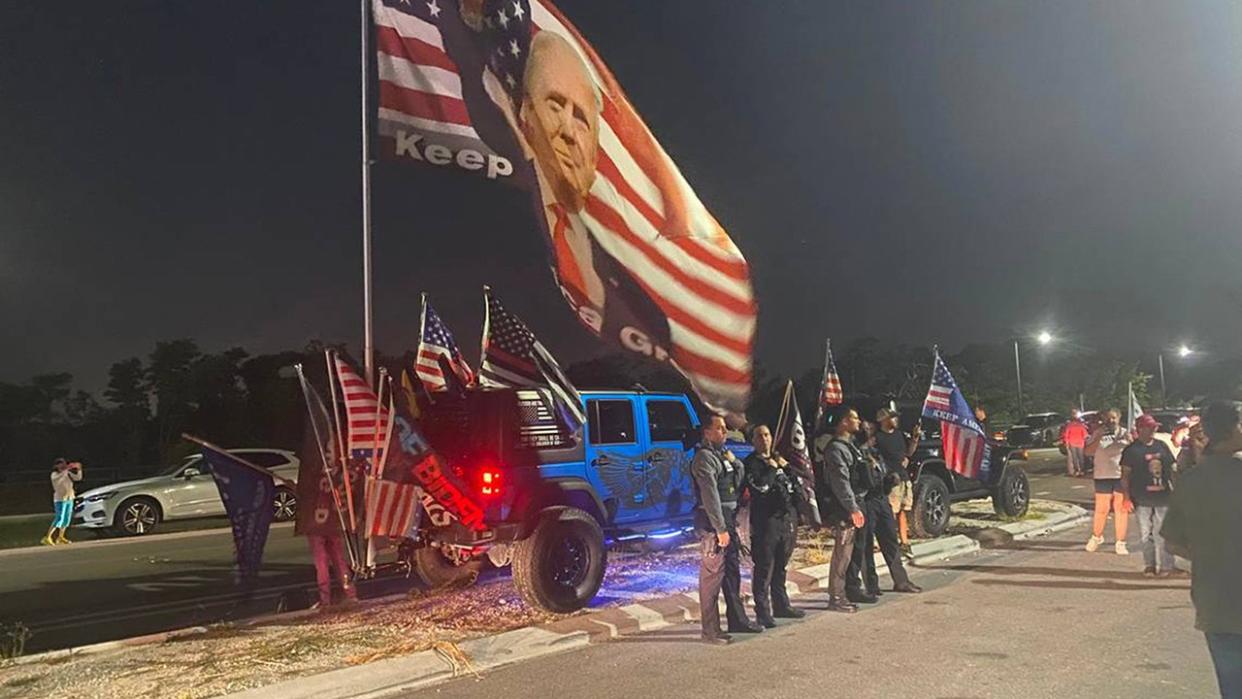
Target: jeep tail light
<point>490,481</point>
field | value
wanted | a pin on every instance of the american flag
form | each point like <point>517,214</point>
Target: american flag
<point>366,436</point>
<point>452,77</point>
<point>965,445</point>
<point>830,392</point>
<point>391,506</point>
<point>437,344</point>
<point>513,357</point>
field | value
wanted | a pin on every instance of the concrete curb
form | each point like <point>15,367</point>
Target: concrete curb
<point>394,676</point>
<point>79,545</point>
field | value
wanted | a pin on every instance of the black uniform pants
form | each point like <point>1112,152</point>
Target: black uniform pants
<point>881,527</point>
<point>771,544</point>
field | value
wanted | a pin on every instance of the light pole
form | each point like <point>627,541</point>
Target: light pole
<point>1183,352</point>
<point>1044,338</point>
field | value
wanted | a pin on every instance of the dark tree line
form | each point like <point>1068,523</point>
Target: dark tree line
<point>236,399</point>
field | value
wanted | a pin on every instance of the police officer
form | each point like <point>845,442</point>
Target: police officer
<point>774,501</point>
<point>718,477</point>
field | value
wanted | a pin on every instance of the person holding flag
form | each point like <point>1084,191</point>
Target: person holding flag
<point>775,499</point>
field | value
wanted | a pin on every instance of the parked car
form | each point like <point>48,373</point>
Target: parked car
<point>184,491</point>
<point>552,501</point>
<point>1036,430</point>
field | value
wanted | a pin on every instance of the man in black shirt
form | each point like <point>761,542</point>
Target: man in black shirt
<point>895,450</point>
<point>1147,466</point>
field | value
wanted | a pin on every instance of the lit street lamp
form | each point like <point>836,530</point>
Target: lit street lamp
<point>1044,338</point>
<point>1183,352</point>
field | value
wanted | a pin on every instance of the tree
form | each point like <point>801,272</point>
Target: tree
<point>127,390</point>
<point>170,377</point>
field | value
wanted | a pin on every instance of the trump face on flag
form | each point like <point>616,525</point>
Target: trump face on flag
<point>637,256</point>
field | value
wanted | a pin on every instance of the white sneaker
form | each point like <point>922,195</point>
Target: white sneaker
<point>1093,544</point>
<point>1122,550</point>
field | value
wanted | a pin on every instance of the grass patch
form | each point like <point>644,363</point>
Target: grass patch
<point>13,639</point>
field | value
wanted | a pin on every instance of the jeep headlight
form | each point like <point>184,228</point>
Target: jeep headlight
<point>933,452</point>
<point>100,497</point>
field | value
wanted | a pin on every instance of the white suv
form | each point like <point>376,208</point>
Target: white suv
<point>184,491</point>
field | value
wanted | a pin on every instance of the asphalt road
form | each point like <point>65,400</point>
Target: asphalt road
<point>1044,619</point>
<point>98,591</point>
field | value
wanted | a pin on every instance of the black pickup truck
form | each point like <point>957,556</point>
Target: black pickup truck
<point>936,488</point>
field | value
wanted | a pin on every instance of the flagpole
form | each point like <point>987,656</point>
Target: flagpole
<point>368,330</point>
<point>340,438</point>
<point>823,380</point>
<point>327,471</point>
<point>780,420</point>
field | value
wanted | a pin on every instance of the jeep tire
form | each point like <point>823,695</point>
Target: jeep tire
<point>560,566</point>
<point>437,571</point>
<point>931,507</point>
<point>1012,496</point>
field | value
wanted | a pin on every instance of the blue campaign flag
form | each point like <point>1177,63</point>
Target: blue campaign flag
<point>964,442</point>
<point>247,492</point>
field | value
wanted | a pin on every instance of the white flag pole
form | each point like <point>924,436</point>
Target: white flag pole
<point>368,330</point>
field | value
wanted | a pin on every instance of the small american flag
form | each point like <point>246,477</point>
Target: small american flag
<point>830,392</point>
<point>437,344</point>
<point>391,506</point>
<point>513,357</point>
<point>366,437</point>
<point>965,445</point>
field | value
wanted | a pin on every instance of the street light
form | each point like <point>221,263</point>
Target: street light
<point>1044,338</point>
<point>1183,351</point>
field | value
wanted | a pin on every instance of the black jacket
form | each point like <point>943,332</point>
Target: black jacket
<point>775,494</point>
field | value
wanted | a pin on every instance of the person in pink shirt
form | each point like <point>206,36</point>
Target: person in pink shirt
<point>1074,434</point>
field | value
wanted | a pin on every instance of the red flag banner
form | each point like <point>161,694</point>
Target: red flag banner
<point>510,90</point>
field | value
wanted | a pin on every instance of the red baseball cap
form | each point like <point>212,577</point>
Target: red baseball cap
<point>1146,421</point>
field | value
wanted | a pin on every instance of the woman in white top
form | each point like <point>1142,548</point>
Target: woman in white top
<point>64,475</point>
<point>1111,493</point>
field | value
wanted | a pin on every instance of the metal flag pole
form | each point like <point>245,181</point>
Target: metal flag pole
<point>327,471</point>
<point>340,436</point>
<point>368,344</point>
<point>823,381</point>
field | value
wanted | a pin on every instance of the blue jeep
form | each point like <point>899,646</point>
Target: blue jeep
<point>554,501</point>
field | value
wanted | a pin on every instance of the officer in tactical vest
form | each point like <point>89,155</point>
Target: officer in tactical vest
<point>718,477</point>
<point>775,496</point>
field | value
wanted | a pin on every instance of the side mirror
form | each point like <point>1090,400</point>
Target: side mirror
<point>690,438</point>
<point>190,473</point>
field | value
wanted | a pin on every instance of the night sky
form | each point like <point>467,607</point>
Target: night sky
<point>922,172</point>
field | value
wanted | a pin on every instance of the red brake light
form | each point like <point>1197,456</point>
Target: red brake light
<point>490,481</point>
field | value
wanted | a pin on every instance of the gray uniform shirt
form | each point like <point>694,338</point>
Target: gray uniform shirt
<point>710,465</point>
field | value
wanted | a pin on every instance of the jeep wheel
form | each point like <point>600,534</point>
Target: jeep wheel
<point>1013,493</point>
<point>931,507</point>
<point>284,504</point>
<point>136,516</point>
<point>438,570</point>
<point>560,566</point>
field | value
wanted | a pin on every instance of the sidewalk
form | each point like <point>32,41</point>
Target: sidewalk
<point>403,643</point>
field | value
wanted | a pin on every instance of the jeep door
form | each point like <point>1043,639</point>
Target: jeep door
<point>615,456</point>
<point>670,490</point>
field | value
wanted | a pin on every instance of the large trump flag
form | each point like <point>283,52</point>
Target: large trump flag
<point>510,90</point>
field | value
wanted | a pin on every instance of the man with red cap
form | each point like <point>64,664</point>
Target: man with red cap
<point>1147,468</point>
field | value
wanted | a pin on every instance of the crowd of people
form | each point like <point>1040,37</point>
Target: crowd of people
<point>863,493</point>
